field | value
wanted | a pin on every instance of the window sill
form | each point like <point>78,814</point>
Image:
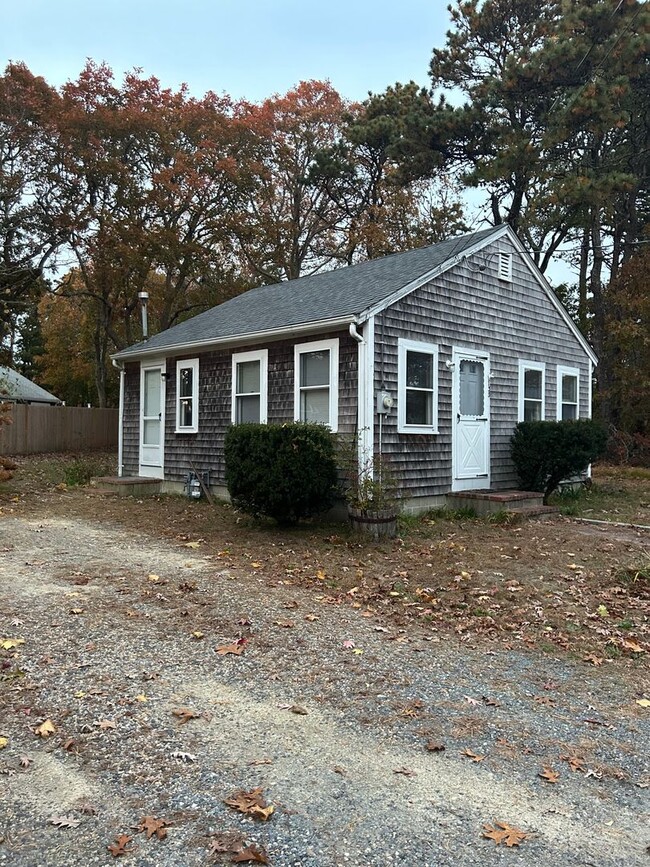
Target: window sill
<point>417,429</point>
<point>186,430</point>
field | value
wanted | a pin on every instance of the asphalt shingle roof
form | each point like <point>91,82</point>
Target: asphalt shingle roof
<point>320,297</point>
<point>15,386</point>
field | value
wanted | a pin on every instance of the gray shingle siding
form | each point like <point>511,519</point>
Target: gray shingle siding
<point>469,308</point>
<point>205,448</point>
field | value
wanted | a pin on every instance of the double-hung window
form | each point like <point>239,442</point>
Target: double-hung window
<point>187,396</point>
<point>417,387</point>
<point>568,393</point>
<point>249,386</point>
<point>532,387</point>
<point>316,382</point>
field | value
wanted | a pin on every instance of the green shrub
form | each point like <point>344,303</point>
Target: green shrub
<point>546,452</point>
<point>285,472</point>
<point>81,470</point>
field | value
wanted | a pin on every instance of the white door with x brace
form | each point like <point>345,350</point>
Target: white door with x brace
<point>471,420</point>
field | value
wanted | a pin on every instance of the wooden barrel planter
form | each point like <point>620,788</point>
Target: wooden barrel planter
<point>377,523</point>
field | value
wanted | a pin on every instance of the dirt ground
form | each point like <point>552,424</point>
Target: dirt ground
<point>389,701</point>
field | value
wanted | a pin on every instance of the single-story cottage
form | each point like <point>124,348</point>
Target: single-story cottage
<point>429,357</point>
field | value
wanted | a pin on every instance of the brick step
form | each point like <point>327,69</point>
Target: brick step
<point>486,502</point>
<point>126,486</point>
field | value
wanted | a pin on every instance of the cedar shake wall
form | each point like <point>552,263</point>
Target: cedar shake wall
<point>472,309</point>
<point>205,448</point>
<point>131,425</point>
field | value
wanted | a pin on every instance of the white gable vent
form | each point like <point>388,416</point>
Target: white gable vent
<point>505,266</point>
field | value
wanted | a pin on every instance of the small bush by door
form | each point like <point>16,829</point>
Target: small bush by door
<point>546,452</point>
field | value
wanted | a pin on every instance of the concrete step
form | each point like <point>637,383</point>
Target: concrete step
<point>126,486</point>
<point>487,502</point>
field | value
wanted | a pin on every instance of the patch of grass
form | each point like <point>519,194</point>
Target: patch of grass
<point>82,470</point>
<point>445,514</point>
<point>626,624</point>
<point>502,518</point>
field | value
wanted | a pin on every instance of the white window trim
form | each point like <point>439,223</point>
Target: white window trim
<point>261,355</point>
<point>504,266</point>
<point>566,371</point>
<point>193,365</point>
<point>318,346</point>
<point>403,346</point>
<point>523,367</point>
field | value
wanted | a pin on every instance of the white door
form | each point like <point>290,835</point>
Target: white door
<point>471,420</point>
<point>152,420</point>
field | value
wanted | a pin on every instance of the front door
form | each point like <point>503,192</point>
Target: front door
<point>471,420</point>
<point>152,419</point>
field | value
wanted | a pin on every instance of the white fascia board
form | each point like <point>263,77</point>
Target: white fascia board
<point>546,286</point>
<point>238,339</point>
<point>431,275</point>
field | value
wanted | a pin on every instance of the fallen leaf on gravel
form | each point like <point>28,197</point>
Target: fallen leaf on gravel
<point>593,659</point>
<point>25,761</point>
<point>65,821</point>
<point>192,544</point>
<point>154,578</point>
<point>105,724</point>
<point>643,702</point>
<point>348,643</point>
<point>256,565</point>
<point>297,709</point>
<point>250,853</point>
<point>284,624</point>
<point>549,775</point>
<point>70,745</point>
<point>381,629</point>
<point>227,841</point>
<point>45,729</point>
<point>152,826</point>
<point>339,770</point>
<point>197,634</point>
<point>183,757</point>
<point>574,762</point>
<point>257,762</point>
<point>119,847</point>
<point>251,804</point>
<point>470,700</point>
<point>504,833</point>
<point>3,743</point>
<point>435,747</point>
<point>236,649</point>
<point>406,772</point>
<point>87,809</point>
<point>311,617</point>
<point>490,702</point>
<point>472,755</point>
<point>185,714</point>
<point>142,698</point>
<point>10,643</point>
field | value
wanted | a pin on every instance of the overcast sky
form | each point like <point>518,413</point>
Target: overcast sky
<point>247,48</point>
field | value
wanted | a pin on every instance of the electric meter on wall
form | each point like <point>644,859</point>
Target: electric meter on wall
<point>384,402</point>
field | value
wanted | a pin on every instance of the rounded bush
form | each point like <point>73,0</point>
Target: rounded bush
<point>546,452</point>
<point>285,472</point>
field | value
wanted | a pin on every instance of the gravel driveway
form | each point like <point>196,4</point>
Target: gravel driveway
<point>375,746</point>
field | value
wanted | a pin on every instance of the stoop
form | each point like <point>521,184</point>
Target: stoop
<point>487,502</point>
<point>126,486</point>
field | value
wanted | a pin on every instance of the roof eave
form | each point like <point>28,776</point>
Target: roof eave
<point>270,335</point>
